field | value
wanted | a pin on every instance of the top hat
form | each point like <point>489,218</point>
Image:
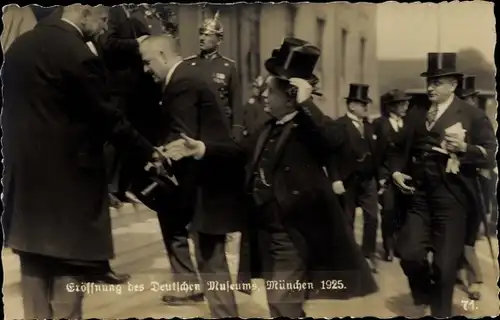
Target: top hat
<point>440,64</point>
<point>358,92</point>
<point>212,25</point>
<point>467,87</point>
<point>295,58</point>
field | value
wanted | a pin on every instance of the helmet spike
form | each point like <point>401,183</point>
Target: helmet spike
<point>216,16</point>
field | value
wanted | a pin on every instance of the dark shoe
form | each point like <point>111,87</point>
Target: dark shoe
<point>110,278</point>
<point>389,256</point>
<point>186,300</point>
<point>372,263</point>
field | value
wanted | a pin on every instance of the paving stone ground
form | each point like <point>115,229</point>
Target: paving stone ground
<point>140,252</point>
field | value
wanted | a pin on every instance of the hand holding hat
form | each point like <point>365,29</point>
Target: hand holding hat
<point>304,89</point>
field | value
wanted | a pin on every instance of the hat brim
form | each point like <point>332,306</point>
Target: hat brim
<point>279,72</point>
<point>441,74</point>
<point>468,94</point>
<point>365,101</point>
<point>401,99</point>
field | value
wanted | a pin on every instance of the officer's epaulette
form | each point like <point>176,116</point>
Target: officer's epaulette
<point>191,57</point>
<point>226,58</point>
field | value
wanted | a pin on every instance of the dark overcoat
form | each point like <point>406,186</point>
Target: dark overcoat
<point>56,116</point>
<point>312,213</point>
<point>480,152</point>
<point>213,187</point>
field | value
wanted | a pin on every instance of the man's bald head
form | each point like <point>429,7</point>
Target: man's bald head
<point>91,20</point>
<point>159,53</point>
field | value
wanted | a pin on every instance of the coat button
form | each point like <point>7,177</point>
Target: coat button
<point>295,192</point>
<point>287,169</point>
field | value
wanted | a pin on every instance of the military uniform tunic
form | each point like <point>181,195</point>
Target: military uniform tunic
<point>221,75</point>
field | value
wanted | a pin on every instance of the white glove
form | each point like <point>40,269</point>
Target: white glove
<point>304,89</point>
<point>338,187</point>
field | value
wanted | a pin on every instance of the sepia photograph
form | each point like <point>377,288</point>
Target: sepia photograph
<point>249,160</point>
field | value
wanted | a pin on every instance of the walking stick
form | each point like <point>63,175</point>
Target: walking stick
<point>484,219</point>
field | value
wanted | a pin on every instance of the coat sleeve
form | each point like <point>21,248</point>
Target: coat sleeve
<point>324,133</point>
<point>482,146</point>
<point>188,96</point>
<point>110,39</point>
<point>89,79</point>
<point>383,145</point>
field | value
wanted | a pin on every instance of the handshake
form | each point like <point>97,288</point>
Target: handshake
<point>185,147</point>
<point>161,164</point>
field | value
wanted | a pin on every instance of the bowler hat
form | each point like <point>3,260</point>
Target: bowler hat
<point>467,87</point>
<point>295,58</point>
<point>358,92</point>
<point>440,64</point>
<point>391,97</point>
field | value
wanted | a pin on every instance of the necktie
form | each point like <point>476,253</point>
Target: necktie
<point>431,115</point>
<point>361,127</point>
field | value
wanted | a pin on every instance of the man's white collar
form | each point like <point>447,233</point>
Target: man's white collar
<point>74,25</point>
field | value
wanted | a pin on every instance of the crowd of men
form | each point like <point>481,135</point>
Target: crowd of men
<point>90,84</point>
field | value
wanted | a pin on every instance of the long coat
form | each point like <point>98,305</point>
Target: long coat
<point>214,188</point>
<point>312,213</point>
<point>480,152</point>
<point>56,117</point>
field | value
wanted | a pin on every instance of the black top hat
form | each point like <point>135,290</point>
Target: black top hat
<point>295,58</point>
<point>441,64</point>
<point>391,98</point>
<point>467,87</point>
<point>358,92</point>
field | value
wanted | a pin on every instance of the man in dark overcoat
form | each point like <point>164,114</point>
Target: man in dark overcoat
<point>56,117</point>
<point>388,129</point>
<point>302,225</point>
<point>137,93</point>
<point>437,163</point>
<point>207,198</point>
<point>353,169</point>
<point>472,277</point>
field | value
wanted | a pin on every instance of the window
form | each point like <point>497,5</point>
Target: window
<point>253,55</point>
<point>343,53</point>
<point>362,49</point>
<point>320,32</point>
<point>290,20</point>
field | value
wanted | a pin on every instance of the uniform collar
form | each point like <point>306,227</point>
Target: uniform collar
<point>210,56</point>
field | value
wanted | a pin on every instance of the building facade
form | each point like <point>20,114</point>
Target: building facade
<point>345,33</point>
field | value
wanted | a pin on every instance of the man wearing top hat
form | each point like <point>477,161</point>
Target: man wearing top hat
<point>354,168</point>
<point>301,224</point>
<point>471,275</point>
<point>437,162</point>
<point>388,129</point>
<point>220,73</point>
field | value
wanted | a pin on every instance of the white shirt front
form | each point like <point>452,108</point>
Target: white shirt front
<point>396,122</point>
<point>171,72</point>
<point>289,117</point>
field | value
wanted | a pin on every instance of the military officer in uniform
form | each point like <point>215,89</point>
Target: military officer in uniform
<point>220,73</point>
<point>354,181</point>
